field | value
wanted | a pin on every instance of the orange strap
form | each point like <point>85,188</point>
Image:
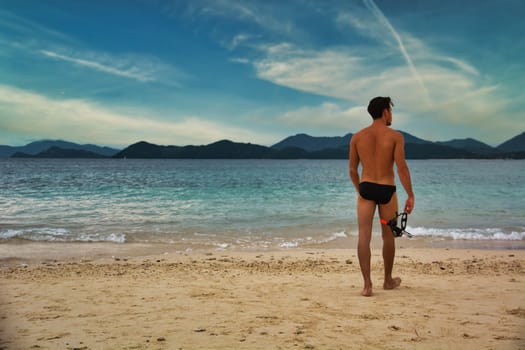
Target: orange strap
<point>383,221</point>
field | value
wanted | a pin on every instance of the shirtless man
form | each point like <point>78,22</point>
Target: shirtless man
<point>377,148</point>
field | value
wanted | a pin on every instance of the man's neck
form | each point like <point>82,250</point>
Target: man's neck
<point>379,122</point>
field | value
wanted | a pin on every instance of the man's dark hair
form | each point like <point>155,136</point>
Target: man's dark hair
<point>377,105</point>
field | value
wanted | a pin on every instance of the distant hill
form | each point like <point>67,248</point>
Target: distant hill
<point>218,150</point>
<point>36,147</point>
<point>145,149</point>
<point>515,144</point>
<point>228,149</point>
<point>412,139</point>
<point>470,145</point>
<point>312,143</point>
<point>57,152</point>
<point>435,151</point>
<point>6,151</point>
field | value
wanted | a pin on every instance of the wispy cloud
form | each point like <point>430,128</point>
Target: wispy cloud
<point>327,116</point>
<point>460,64</point>
<point>370,4</point>
<point>16,27</point>
<point>259,19</point>
<point>37,116</point>
<point>140,68</point>
<point>22,36</point>
<point>238,40</point>
<point>133,72</point>
<point>260,13</point>
<point>340,73</point>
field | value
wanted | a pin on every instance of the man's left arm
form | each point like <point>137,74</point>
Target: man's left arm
<point>353,163</point>
<point>403,172</point>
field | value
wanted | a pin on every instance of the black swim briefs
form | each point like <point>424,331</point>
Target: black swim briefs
<point>381,194</point>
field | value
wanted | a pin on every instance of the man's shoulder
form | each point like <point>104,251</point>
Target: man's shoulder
<point>356,136</point>
<point>399,135</point>
<point>361,132</point>
<point>396,134</point>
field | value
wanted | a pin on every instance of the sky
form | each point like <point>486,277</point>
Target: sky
<point>177,72</point>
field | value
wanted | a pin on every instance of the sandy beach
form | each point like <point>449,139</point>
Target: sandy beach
<point>148,297</point>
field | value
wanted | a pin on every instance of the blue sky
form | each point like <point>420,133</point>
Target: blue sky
<point>194,72</point>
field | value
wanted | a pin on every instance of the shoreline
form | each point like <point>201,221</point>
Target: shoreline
<point>139,297</point>
<point>31,252</point>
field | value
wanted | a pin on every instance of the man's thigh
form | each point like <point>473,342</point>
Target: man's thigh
<point>365,214</point>
<point>388,212</point>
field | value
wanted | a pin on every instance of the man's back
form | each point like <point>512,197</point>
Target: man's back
<point>375,148</point>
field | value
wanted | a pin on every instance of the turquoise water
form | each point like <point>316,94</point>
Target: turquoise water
<point>245,203</point>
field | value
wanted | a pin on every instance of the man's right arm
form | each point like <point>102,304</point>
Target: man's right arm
<point>403,172</point>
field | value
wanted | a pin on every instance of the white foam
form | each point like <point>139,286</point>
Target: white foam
<point>221,245</point>
<point>309,240</point>
<point>36,234</point>
<point>289,244</point>
<point>112,237</point>
<point>333,237</point>
<point>469,233</point>
<point>46,234</point>
<point>9,234</point>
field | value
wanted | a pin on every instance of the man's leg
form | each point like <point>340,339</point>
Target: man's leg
<point>365,215</point>
<point>388,211</point>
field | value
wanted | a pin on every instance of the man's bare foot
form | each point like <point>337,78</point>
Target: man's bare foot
<point>393,283</point>
<point>367,292</point>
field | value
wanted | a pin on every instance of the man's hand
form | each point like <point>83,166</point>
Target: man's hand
<point>409,205</point>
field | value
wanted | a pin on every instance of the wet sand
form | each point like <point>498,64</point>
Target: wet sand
<point>89,296</point>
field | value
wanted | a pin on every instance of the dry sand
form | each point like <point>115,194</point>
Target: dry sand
<point>294,299</point>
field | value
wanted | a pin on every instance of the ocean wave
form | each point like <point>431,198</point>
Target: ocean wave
<point>266,241</point>
<point>294,243</point>
<point>46,234</point>
<point>503,234</point>
<point>112,237</point>
<point>35,234</point>
<point>333,237</point>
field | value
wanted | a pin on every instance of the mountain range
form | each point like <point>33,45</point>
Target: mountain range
<point>292,147</point>
<point>34,148</point>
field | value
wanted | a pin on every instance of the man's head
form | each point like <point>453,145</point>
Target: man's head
<point>377,106</point>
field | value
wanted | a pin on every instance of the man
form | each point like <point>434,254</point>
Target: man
<point>377,148</point>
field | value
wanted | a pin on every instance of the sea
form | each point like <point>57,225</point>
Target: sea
<point>248,204</point>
